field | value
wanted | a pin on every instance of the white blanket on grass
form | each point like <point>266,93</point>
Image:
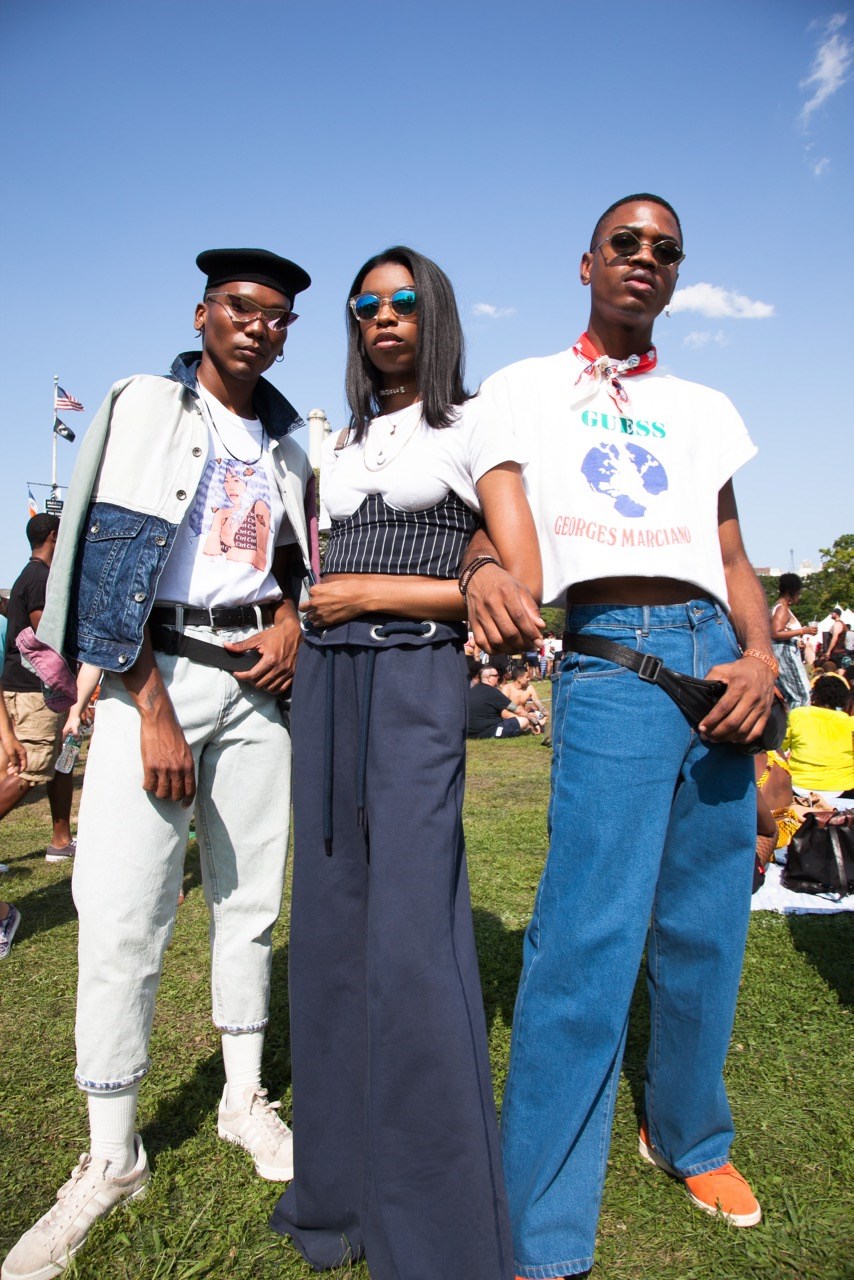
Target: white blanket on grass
<point>773,897</point>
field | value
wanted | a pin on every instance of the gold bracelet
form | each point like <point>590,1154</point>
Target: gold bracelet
<point>770,662</point>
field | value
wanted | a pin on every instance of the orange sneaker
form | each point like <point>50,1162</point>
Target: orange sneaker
<point>721,1192</point>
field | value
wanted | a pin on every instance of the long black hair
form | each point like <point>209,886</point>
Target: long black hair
<point>439,351</point>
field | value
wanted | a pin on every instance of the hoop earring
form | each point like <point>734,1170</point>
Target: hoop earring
<point>280,357</point>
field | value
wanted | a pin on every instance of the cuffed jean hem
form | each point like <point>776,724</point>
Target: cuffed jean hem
<point>110,1086</point>
<point>241,1028</point>
<point>554,1270</point>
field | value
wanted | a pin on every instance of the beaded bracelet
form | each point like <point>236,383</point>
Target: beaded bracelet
<point>470,570</point>
<point>770,662</point>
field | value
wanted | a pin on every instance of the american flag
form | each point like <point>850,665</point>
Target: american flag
<point>64,400</point>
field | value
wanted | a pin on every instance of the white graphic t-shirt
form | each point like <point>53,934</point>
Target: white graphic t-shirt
<point>223,550</point>
<point>629,491</point>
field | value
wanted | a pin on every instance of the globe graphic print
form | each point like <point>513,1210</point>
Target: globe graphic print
<point>627,474</point>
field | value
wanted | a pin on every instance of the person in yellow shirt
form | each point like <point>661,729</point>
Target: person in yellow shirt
<point>820,740</point>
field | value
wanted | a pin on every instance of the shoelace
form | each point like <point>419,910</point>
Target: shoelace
<point>266,1113</point>
<point>727,1171</point>
<point>65,1209</point>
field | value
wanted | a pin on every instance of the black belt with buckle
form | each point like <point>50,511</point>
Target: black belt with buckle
<point>165,640</point>
<point>167,622</point>
<point>237,615</point>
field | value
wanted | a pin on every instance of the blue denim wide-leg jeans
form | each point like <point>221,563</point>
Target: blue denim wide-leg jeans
<point>651,841</point>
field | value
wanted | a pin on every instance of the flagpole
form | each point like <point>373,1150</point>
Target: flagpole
<point>53,486</point>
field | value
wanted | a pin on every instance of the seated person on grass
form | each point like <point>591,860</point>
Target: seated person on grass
<point>491,713</point>
<point>518,688</point>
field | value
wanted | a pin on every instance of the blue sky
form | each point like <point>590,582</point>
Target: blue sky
<point>490,135</point>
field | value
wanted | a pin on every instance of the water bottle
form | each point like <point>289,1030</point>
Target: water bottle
<point>68,754</point>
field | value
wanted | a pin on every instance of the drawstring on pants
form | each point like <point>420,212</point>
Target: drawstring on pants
<point>383,631</point>
<point>328,743</point>
<point>364,722</point>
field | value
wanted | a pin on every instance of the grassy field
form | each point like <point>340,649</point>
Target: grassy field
<point>789,1075</point>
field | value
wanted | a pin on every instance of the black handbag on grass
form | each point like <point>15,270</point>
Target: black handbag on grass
<point>821,854</point>
<point>694,698</point>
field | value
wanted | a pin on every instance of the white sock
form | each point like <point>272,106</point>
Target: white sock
<point>112,1121</point>
<point>241,1054</point>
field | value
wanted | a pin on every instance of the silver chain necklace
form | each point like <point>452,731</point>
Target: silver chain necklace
<point>209,419</point>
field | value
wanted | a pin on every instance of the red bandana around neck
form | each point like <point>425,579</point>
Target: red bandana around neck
<point>599,366</point>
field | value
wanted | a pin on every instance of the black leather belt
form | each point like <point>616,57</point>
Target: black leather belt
<point>238,615</point>
<point>165,640</point>
<point>694,698</point>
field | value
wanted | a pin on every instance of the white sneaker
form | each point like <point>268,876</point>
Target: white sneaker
<point>89,1194</point>
<point>8,928</point>
<point>256,1127</point>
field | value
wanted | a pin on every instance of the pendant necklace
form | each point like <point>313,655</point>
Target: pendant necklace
<point>245,462</point>
<point>381,458</point>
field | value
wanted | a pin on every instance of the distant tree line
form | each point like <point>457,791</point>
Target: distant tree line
<point>830,585</point>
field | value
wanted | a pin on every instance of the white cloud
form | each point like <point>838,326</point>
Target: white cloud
<point>494,313</point>
<point>830,69</point>
<point>821,166</point>
<point>701,338</point>
<point>719,304</point>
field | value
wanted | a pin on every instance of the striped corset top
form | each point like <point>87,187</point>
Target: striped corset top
<point>378,538</point>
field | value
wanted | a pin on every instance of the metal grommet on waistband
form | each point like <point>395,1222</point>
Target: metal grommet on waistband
<point>385,630</point>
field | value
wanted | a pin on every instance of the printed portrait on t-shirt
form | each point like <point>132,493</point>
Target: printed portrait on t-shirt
<point>627,474</point>
<point>232,512</point>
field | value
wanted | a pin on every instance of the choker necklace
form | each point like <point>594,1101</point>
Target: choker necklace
<point>392,391</point>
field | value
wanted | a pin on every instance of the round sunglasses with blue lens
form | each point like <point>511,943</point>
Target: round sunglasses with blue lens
<point>367,306</point>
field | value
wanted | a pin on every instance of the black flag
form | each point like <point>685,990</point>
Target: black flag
<point>62,430</point>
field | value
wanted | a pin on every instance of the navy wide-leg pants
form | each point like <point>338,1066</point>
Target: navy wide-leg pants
<point>396,1145</point>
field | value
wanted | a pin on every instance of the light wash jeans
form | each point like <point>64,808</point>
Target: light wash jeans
<point>130,857</point>
<point>652,837</point>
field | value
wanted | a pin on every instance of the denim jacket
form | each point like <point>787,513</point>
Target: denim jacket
<point>136,475</point>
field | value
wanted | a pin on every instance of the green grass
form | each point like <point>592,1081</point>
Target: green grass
<point>789,1076</point>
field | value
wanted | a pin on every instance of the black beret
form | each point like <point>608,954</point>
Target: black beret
<point>258,266</point>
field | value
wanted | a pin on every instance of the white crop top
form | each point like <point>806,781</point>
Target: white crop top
<point>417,466</point>
<point>620,492</point>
